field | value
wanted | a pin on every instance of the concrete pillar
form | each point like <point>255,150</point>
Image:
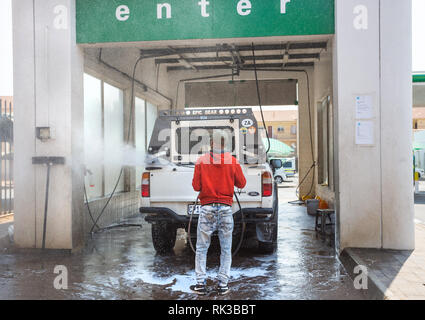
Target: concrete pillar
<point>48,88</point>
<point>306,152</point>
<point>396,126</point>
<point>374,184</point>
<point>323,89</point>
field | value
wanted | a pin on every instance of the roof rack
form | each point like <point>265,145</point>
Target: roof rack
<point>225,112</point>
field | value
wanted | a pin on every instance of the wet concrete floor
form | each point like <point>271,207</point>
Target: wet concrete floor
<point>122,264</point>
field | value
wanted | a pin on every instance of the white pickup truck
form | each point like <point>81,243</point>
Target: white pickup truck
<point>167,198</point>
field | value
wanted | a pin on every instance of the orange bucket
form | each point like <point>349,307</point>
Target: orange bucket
<point>323,204</point>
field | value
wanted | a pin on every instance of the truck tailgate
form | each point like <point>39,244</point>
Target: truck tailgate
<point>176,186</point>
<point>252,190</point>
<point>172,186</point>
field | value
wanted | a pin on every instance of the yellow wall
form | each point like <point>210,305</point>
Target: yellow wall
<point>286,136</point>
<point>419,124</point>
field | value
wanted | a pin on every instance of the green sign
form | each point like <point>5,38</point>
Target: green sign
<point>100,21</point>
<point>418,78</point>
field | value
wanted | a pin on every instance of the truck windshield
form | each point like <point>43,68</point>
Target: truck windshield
<point>196,140</point>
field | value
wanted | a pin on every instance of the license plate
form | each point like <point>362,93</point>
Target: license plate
<point>190,209</point>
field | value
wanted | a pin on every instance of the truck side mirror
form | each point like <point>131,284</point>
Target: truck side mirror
<point>276,163</point>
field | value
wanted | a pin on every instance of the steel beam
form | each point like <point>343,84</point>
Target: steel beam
<point>247,66</point>
<point>243,58</point>
<point>227,48</point>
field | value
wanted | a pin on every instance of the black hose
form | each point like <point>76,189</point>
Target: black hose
<point>189,231</point>
<point>133,78</point>
<point>259,100</point>
<point>88,206</point>
<point>190,224</point>
<point>314,164</point>
<point>128,139</point>
<point>46,205</point>
<point>243,227</point>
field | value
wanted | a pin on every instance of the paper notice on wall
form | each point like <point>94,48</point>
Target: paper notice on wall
<point>364,107</point>
<point>365,133</point>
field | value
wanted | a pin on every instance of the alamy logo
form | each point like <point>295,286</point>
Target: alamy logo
<point>360,281</point>
<point>61,280</point>
<point>361,18</point>
<point>60,22</point>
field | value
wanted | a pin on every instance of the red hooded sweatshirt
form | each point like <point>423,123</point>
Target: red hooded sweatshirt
<point>216,176</point>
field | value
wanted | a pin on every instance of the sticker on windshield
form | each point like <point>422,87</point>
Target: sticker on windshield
<point>244,130</point>
<point>252,130</point>
<point>247,123</point>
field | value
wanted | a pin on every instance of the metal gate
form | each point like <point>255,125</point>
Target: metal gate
<point>6,163</point>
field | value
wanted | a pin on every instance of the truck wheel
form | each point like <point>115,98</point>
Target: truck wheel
<point>163,236</point>
<point>269,247</point>
<point>266,247</point>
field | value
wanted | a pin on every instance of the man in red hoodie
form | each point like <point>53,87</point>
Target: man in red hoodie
<point>216,175</point>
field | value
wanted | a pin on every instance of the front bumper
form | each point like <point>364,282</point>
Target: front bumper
<point>158,214</point>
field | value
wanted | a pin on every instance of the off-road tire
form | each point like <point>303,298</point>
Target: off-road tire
<point>163,236</point>
<point>270,247</point>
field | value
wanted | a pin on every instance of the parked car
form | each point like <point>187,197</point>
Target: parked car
<point>288,169</point>
<point>289,165</point>
<point>279,175</point>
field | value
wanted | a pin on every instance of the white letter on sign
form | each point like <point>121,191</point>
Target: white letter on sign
<point>159,8</point>
<point>283,4</point>
<point>204,4</point>
<point>122,13</point>
<point>244,7</point>
<point>61,19</point>
<point>361,19</point>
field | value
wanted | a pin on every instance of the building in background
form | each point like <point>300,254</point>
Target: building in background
<point>419,119</point>
<point>284,129</point>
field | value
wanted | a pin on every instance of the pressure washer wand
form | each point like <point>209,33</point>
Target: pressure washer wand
<point>46,204</point>
<point>190,224</point>
<point>49,161</point>
<point>243,226</point>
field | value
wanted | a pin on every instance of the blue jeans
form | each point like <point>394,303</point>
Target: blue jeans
<point>214,218</point>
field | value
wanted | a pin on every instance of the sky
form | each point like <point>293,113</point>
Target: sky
<point>418,35</point>
<point>6,51</point>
